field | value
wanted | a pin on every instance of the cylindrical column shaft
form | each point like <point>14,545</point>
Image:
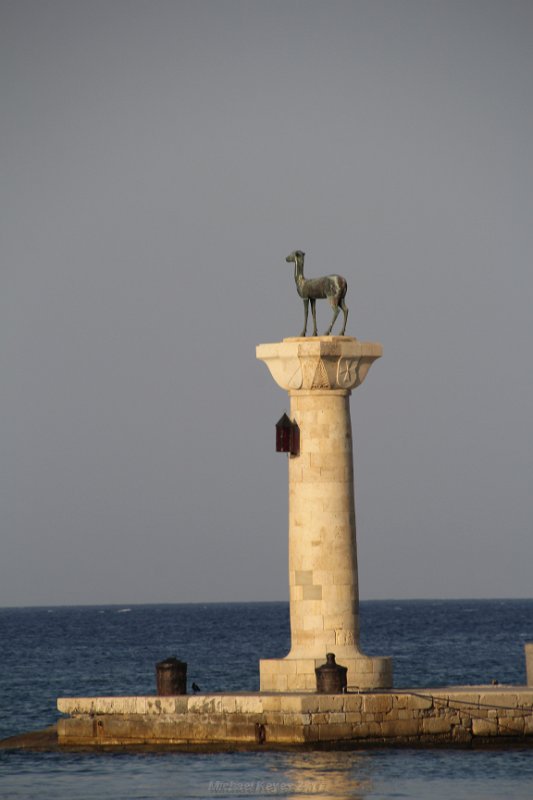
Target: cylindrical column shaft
<point>528,647</point>
<point>322,546</point>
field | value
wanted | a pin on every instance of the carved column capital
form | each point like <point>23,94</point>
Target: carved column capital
<point>321,362</point>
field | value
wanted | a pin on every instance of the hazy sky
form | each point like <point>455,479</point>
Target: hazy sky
<point>158,162</point>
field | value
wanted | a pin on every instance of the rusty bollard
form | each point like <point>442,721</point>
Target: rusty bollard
<point>171,676</point>
<point>331,677</point>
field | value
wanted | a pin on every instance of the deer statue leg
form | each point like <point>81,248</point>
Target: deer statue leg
<point>313,311</point>
<point>345,312</point>
<point>306,311</point>
<point>335,315</point>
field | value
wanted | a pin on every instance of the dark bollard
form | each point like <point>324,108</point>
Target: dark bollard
<point>331,677</point>
<point>171,677</point>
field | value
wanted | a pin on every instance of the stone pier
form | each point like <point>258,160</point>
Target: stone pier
<point>450,716</point>
<point>319,374</point>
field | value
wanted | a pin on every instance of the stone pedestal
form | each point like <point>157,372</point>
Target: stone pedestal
<point>319,374</point>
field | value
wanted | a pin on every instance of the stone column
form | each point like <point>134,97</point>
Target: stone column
<point>319,374</point>
<point>528,647</point>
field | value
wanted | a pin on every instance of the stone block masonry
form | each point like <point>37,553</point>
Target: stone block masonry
<point>458,715</point>
<point>319,374</point>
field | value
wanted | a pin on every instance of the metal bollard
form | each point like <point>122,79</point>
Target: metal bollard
<point>528,647</point>
<point>331,677</point>
<point>171,676</point>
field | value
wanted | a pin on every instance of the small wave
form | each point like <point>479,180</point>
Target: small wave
<point>123,610</point>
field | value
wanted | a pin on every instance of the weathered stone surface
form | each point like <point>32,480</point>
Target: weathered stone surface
<point>205,704</point>
<point>461,736</point>
<point>272,702</point>
<point>354,717</point>
<point>310,703</point>
<point>415,701</point>
<point>335,731</point>
<point>377,703</point>
<point>283,719</point>
<point>241,731</point>
<point>511,726</point>
<point>436,725</point>
<point>319,374</point>
<point>252,704</point>
<point>528,724</point>
<point>79,729</point>
<point>331,702</point>
<point>229,703</point>
<point>353,702</point>
<point>484,727</point>
<point>498,699</point>
<point>400,728</point>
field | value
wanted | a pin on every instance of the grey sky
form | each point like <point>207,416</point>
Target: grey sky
<point>158,162</point>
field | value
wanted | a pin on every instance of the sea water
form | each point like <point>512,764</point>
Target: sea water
<point>101,650</point>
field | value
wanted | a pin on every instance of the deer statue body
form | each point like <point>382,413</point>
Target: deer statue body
<point>332,287</point>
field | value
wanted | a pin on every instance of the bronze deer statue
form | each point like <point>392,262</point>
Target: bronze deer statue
<point>332,287</point>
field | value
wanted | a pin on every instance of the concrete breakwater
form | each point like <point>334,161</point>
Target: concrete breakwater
<point>456,715</point>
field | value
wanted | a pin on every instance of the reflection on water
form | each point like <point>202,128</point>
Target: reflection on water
<point>328,774</point>
<point>375,774</point>
<point>296,775</point>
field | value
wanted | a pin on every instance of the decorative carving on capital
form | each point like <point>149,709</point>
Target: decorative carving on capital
<point>320,363</point>
<point>315,374</point>
<point>347,371</point>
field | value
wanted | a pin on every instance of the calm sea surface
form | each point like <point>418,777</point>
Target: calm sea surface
<point>102,650</point>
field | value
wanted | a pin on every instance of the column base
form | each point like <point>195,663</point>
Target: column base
<point>298,674</point>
